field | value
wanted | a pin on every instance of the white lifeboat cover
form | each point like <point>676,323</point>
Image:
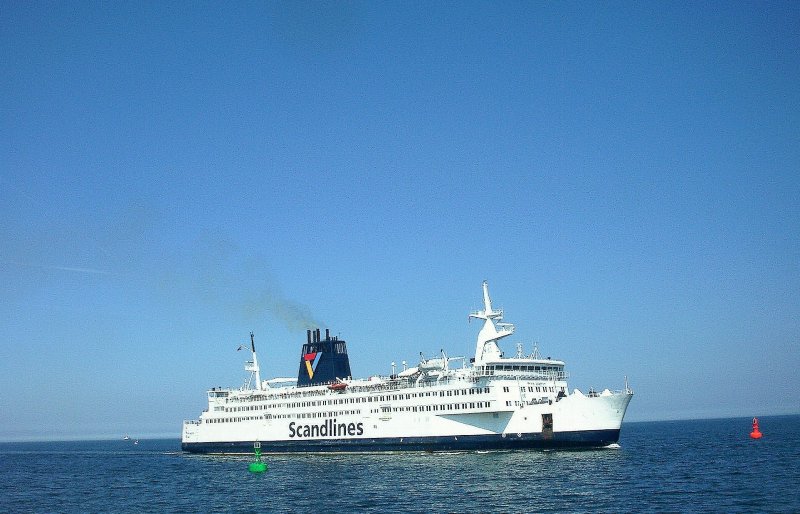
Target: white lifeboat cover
<point>409,372</point>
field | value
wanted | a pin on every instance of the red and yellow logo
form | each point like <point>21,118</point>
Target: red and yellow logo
<point>312,359</point>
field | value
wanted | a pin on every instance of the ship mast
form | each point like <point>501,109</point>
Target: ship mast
<point>486,348</point>
<point>253,366</point>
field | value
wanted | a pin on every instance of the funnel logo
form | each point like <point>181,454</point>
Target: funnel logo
<point>312,359</point>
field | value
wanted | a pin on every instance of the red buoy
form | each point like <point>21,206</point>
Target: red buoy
<point>755,434</point>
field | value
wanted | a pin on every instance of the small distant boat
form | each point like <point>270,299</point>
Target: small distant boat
<point>136,442</point>
<point>126,438</point>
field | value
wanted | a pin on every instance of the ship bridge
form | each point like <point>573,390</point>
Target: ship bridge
<point>524,368</point>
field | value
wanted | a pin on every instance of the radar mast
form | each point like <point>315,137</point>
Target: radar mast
<point>486,349</point>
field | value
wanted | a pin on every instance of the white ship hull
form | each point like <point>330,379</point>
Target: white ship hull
<point>577,421</point>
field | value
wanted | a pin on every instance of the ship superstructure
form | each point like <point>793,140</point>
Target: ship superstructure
<point>442,404</point>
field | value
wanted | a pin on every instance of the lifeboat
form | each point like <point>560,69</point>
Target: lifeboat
<point>338,386</point>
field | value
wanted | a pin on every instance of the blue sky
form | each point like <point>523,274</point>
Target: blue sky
<point>173,176</point>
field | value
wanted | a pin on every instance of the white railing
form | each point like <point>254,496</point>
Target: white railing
<point>481,313</point>
<point>528,375</point>
<point>505,328</point>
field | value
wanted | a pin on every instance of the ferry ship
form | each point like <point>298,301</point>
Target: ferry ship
<point>445,403</point>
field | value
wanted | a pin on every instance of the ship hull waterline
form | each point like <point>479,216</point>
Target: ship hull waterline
<point>586,439</point>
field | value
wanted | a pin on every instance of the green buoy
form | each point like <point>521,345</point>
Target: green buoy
<point>257,466</point>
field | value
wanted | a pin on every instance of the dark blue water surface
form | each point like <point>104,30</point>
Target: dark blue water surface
<point>678,466</point>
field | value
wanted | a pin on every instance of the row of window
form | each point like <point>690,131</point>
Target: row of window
<point>518,367</point>
<point>538,389</point>
<point>303,415</point>
<point>540,401</point>
<point>361,399</point>
<point>230,420</point>
<point>383,409</point>
<point>434,408</point>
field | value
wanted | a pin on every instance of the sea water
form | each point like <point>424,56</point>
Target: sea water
<point>677,466</point>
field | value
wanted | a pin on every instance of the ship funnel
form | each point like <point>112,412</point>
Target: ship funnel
<point>323,362</point>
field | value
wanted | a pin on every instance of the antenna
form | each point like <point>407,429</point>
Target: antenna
<point>536,354</point>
